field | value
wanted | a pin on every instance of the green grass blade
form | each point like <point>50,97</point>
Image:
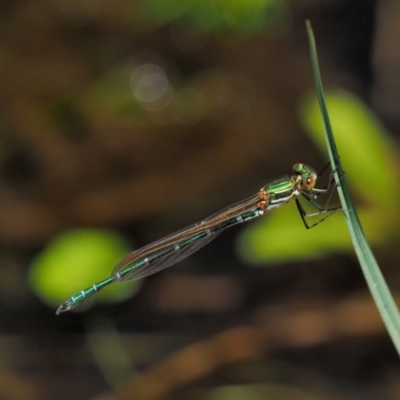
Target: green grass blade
<point>375,280</point>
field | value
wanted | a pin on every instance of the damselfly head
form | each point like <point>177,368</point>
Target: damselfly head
<point>305,175</point>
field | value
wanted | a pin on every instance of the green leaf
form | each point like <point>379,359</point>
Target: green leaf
<point>76,259</point>
<point>366,148</point>
<point>235,16</point>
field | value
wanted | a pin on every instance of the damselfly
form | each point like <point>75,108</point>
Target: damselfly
<point>173,248</point>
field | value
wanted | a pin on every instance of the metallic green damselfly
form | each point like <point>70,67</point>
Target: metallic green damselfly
<point>173,248</point>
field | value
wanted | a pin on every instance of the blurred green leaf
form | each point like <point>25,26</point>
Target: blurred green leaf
<point>365,145</point>
<point>110,97</point>
<point>280,237</point>
<point>242,16</point>
<point>368,154</point>
<point>75,260</point>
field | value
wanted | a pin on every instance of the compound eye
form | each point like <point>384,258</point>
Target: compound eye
<point>310,182</point>
<point>298,168</point>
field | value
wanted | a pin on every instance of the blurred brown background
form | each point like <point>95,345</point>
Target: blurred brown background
<point>113,117</point>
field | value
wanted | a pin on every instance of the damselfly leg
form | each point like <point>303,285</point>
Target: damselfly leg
<point>329,190</point>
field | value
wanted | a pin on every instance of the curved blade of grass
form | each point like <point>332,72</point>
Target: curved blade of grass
<point>375,280</point>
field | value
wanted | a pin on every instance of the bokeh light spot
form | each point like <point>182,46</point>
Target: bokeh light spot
<point>151,88</point>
